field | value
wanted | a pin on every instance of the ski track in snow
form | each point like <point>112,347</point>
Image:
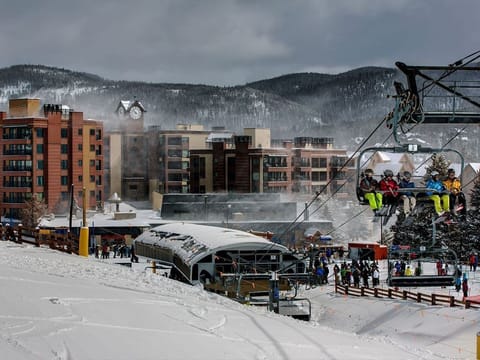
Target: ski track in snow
<point>212,319</point>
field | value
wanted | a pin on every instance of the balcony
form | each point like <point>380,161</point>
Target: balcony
<point>17,152</point>
<point>17,184</point>
<point>17,168</point>
<point>338,162</point>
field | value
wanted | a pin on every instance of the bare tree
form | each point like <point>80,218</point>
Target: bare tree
<point>33,211</point>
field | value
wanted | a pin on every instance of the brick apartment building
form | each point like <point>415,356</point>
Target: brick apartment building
<point>253,165</point>
<point>43,152</point>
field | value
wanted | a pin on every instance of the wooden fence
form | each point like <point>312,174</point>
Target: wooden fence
<point>65,241</point>
<point>432,299</point>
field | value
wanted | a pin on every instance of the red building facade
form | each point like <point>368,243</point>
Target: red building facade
<point>46,152</point>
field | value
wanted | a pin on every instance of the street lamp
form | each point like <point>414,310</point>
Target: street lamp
<point>205,198</point>
<point>228,212</point>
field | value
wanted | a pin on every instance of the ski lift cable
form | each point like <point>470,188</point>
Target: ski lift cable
<point>335,177</point>
<point>455,66</point>
<point>318,193</point>
<point>295,222</point>
<point>346,221</point>
<point>366,161</point>
<point>443,147</point>
<point>349,178</point>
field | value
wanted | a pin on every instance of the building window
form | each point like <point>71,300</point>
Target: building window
<point>64,148</point>
<point>92,193</point>
<point>39,148</point>
<point>80,162</point>
<point>64,133</point>
<point>92,178</point>
<point>92,131</point>
<point>40,132</point>
<point>92,162</point>
<point>319,176</point>
<point>80,147</point>
<point>64,164</point>
<point>319,162</point>
<point>40,181</point>
<point>202,168</point>
<point>80,132</point>
<point>64,180</point>
<point>40,164</point>
<point>80,178</point>
<point>92,147</point>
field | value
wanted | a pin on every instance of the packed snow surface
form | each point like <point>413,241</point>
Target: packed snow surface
<point>59,306</point>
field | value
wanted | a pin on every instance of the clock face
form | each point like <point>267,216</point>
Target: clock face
<point>135,112</point>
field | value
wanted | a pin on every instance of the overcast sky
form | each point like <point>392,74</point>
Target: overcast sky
<point>231,42</point>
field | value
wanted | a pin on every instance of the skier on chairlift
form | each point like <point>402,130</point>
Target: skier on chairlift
<point>389,188</point>
<point>409,200</point>
<point>369,187</point>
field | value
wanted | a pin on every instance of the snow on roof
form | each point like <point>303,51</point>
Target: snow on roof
<point>193,242</point>
<point>475,166</point>
<point>221,135</point>
<point>125,103</point>
<point>143,218</point>
<point>380,168</point>
<point>384,156</point>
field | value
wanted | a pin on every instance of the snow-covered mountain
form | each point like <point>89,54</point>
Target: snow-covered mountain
<point>291,105</point>
<point>341,106</point>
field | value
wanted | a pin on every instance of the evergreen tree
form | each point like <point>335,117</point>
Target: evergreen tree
<point>440,164</point>
<point>475,197</point>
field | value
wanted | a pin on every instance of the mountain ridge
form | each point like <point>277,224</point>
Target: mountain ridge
<point>300,104</point>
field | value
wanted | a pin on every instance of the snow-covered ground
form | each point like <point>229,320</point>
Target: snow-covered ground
<point>60,306</point>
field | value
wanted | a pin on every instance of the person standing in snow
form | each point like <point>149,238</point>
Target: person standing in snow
<point>134,257</point>
<point>465,286</point>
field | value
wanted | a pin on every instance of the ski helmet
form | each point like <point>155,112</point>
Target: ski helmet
<point>388,173</point>
<point>369,172</point>
<point>407,174</point>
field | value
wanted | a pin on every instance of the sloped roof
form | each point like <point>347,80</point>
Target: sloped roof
<point>381,167</point>
<point>474,166</point>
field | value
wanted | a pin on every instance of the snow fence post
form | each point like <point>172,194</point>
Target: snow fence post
<point>83,241</point>
<point>478,345</point>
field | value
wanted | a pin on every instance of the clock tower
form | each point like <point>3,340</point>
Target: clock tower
<point>127,153</point>
<point>131,116</point>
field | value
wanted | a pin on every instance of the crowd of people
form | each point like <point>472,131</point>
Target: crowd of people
<point>446,194</point>
<point>118,250</point>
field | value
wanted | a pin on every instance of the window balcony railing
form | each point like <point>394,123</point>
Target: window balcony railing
<point>17,152</point>
<point>17,168</point>
<point>17,184</point>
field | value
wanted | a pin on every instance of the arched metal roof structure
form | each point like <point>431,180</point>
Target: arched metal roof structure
<point>192,242</point>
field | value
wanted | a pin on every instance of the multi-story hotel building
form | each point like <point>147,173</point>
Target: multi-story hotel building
<point>169,167</point>
<point>305,165</point>
<point>48,151</point>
